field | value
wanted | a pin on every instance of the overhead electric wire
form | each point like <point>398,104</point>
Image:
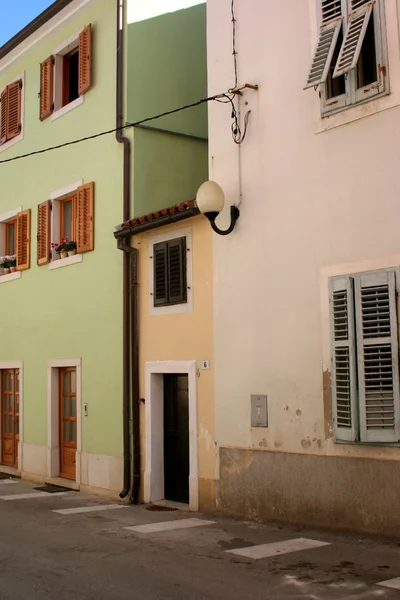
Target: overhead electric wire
<point>114,129</point>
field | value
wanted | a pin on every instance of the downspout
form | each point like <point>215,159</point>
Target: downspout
<point>126,261</point>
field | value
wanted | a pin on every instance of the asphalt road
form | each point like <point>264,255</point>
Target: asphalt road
<point>92,556</point>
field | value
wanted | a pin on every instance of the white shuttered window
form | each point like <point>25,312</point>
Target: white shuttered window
<point>349,63</point>
<point>365,357</point>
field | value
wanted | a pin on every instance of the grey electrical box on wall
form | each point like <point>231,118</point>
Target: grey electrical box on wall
<point>259,411</point>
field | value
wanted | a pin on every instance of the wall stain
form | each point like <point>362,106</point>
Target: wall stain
<point>298,412</point>
<point>306,443</point>
<point>278,444</point>
<point>263,443</point>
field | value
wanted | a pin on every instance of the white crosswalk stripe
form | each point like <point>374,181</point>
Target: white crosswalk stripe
<point>277,548</point>
<point>394,584</point>
<point>169,525</point>
<point>11,497</point>
<point>88,509</point>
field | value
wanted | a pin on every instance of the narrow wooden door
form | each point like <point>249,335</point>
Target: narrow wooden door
<point>9,417</point>
<point>68,423</point>
<point>176,438</point>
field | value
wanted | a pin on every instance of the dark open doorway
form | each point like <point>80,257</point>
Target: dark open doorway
<point>176,438</point>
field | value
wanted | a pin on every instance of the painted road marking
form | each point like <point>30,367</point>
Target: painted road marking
<point>169,525</point>
<point>32,495</point>
<point>87,509</point>
<point>7,481</point>
<point>391,583</point>
<point>277,548</point>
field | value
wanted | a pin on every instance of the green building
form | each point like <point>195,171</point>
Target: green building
<point>65,348</point>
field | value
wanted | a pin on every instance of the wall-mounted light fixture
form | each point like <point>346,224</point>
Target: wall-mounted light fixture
<point>210,201</point>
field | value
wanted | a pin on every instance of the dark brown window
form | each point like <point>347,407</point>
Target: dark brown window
<point>170,272</point>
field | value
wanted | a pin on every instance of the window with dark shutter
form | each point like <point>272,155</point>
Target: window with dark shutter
<point>170,272</point>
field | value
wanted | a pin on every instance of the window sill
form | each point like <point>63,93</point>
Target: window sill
<point>362,444</point>
<point>354,112</point>
<point>10,277</point>
<point>65,262</point>
<point>67,108</point>
<point>11,142</point>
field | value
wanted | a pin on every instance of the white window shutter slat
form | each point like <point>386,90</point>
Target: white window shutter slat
<point>344,370</point>
<point>378,356</point>
<point>353,38</point>
<point>322,59</point>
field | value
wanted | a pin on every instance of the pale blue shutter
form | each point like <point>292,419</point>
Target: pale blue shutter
<point>328,35</point>
<point>344,369</point>
<point>378,356</point>
<point>354,36</point>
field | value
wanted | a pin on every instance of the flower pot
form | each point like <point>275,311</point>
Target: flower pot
<point>6,271</point>
<point>13,269</point>
<point>63,254</point>
<point>71,252</point>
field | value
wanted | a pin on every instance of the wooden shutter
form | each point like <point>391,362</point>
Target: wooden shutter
<point>24,240</point>
<point>13,120</point>
<point>177,291</point>
<point>43,233</point>
<point>46,88</point>
<point>354,37</point>
<point>344,370</point>
<point>378,356</point>
<point>85,213</point>
<point>160,271</point>
<point>3,117</point>
<point>327,39</point>
<point>85,60</point>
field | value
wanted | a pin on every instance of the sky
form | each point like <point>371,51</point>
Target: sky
<point>15,14</point>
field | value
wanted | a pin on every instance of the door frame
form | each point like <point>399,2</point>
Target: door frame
<point>154,413</point>
<point>16,364</point>
<point>53,415</point>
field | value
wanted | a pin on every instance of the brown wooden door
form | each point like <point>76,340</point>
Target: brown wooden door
<point>68,424</point>
<point>9,417</point>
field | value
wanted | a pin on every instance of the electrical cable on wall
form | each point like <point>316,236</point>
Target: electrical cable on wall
<point>217,97</point>
<point>237,134</point>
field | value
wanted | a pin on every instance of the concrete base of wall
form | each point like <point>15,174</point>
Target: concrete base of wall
<point>97,473</point>
<point>350,494</point>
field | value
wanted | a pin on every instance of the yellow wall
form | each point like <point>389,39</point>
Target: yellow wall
<point>183,337</point>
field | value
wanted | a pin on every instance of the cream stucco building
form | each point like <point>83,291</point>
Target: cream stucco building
<point>306,287</point>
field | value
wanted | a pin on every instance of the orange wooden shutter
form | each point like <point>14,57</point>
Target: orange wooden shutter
<point>43,233</point>
<point>24,240</point>
<point>13,121</point>
<point>3,117</point>
<point>85,212</point>
<point>85,60</point>
<point>46,88</point>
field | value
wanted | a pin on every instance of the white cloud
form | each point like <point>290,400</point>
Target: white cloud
<point>138,10</point>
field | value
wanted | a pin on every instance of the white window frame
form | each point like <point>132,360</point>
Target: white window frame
<point>358,430</point>
<point>65,48</point>
<point>184,307</point>
<point>352,95</point>
<point>4,218</point>
<point>20,136</point>
<point>55,197</point>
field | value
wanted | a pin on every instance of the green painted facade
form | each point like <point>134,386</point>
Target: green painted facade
<point>74,311</point>
<point>169,164</point>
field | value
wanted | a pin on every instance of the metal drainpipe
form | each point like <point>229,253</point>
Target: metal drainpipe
<point>126,261</point>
